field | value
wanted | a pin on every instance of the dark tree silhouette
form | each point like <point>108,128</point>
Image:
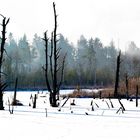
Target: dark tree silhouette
<point>53,64</point>
<point>34,101</point>
<point>126,84</point>
<point>117,81</point>
<point>3,85</point>
<point>137,91</point>
<point>15,93</point>
<point>117,75</point>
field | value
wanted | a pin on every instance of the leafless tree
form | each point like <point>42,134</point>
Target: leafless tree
<point>14,102</point>
<point>117,75</point>
<point>34,101</point>
<point>137,91</point>
<point>52,66</point>
<point>126,84</point>
<point>3,85</point>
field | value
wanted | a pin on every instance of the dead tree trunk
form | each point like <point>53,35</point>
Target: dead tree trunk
<point>15,93</point>
<point>111,103</point>
<point>126,84</point>
<point>117,75</point>
<point>137,90</point>
<point>56,71</point>
<point>100,94</point>
<point>34,102</point>
<point>3,85</point>
<point>122,106</point>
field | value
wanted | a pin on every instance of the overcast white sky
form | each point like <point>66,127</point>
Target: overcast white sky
<point>106,19</point>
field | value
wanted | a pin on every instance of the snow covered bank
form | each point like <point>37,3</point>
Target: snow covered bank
<point>72,122</point>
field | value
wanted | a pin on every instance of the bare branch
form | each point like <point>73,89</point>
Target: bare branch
<point>57,57</point>
<point>62,72</point>
<point>59,69</point>
<point>7,21</point>
<point>2,15</point>
<point>43,68</point>
<point>4,73</point>
<point>51,66</point>
<point>46,69</point>
<point>58,50</point>
<point>7,54</point>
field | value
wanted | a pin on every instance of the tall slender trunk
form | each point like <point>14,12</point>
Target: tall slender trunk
<point>2,49</point>
<point>137,91</point>
<point>126,84</point>
<point>117,75</point>
<point>15,93</point>
<point>54,70</point>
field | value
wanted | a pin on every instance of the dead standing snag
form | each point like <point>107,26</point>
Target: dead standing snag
<point>3,85</point>
<point>52,64</point>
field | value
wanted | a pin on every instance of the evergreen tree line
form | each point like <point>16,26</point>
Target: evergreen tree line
<point>89,63</point>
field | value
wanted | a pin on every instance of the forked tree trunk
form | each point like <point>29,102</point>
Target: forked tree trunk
<point>54,83</point>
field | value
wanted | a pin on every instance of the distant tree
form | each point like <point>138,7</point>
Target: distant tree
<point>91,57</point>
<point>24,62</point>
<point>3,85</point>
<point>132,60</point>
<point>11,60</point>
<point>37,52</point>
<point>81,62</point>
<point>109,62</point>
<point>94,62</point>
<point>67,48</point>
<point>24,50</point>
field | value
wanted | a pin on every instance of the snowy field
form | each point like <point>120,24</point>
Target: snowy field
<point>77,122</point>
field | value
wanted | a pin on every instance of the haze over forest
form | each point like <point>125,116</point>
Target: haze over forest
<point>90,32</point>
<point>90,63</point>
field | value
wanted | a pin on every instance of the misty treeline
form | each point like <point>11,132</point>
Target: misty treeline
<point>88,63</point>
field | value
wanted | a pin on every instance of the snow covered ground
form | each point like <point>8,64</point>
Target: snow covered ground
<point>72,122</point>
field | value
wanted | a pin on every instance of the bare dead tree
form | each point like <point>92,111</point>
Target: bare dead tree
<point>100,94</point>
<point>117,75</point>
<point>52,67</point>
<point>107,104</point>
<point>3,85</point>
<point>92,107</point>
<point>15,93</point>
<point>34,101</point>
<point>111,103</point>
<point>120,110</point>
<point>117,81</point>
<point>126,84</point>
<point>122,106</point>
<point>137,91</point>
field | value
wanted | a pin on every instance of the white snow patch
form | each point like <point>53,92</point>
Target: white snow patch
<point>71,122</point>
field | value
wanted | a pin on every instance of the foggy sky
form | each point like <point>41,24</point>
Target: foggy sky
<point>117,20</point>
